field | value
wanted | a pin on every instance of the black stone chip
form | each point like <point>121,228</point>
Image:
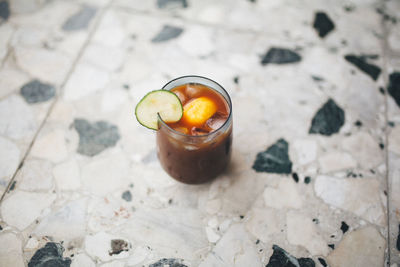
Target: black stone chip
<point>37,92</point>
<point>361,63</point>
<point>332,246</point>
<point>323,24</point>
<point>344,227</point>
<point>95,137</point>
<point>12,187</point>
<point>394,86</point>
<point>171,262</point>
<point>172,3</point>
<point>275,159</point>
<point>277,55</point>
<point>328,119</point>
<point>306,262</point>
<point>127,196</point>
<point>79,20</point>
<point>167,33</point>
<point>49,255</point>
<point>358,123</point>
<point>4,10</point>
<point>323,262</point>
<point>281,258</point>
<point>349,8</point>
<point>307,179</point>
<point>295,177</point>
<point>117,246</point>
<point>317,78</point>
<point>236,79</point>
<point>398,240</point>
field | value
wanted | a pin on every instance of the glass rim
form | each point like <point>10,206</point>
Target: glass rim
<point>229,101</point>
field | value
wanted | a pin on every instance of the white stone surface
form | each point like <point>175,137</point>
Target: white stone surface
<point>213,206</point>
<point>23,6</point>
<point>99,245</point>
<point>336,161</point>
<point>82,260</point>
<point>28,36</point>
<point>306,150</point>
<point>9,157</point>
<point>51,146</point>
<point>173,231</point>
<point>286,195</point>
<point>84,81</point>
<point>394,140</point>
<point>62,111</point>
<point>107,213</point>
<point>21,209</point>
<point>114,264</point>
<point>239,192</point>
<point>364,148</point>
<point>67,175</point>
<point>302,231</point>
<point>263,223</point>
<point>10,81</point>
<point>35,175</point>
<point>394,183</point>
<point>6,32</point>
<point>66,223</point>
<point>138,255</point>
<point>197,41</point>
<point>212,236</point>
<point>360,196</point>
<point>394,39</point>
<point>32,244</point>
<point>12,123</point>
<point>46,65</point>
<point>113,99</point>
<point>105,57</point>
<point>105,174</point>
<point>234,249</point>
<point>110,31</point>
<point>363,247</point>
<point>212,14</point>
<point>10,251</point>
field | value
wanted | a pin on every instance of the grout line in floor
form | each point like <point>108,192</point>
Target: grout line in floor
<point>96,23</point>
<point>386,151</point>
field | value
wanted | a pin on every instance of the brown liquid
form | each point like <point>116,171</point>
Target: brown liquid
<point>188,92</point>
<point>195,159</point>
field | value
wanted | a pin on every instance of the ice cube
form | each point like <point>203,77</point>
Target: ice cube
<point>190,147</point>
<point>181,97</point>
<point>217,120</point>
<point>198,131</point>
<point>192,91</point>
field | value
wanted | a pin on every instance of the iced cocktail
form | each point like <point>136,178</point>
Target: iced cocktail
<point>195,147</point>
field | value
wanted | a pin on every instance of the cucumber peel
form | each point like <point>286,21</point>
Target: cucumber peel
<point>162,102</point>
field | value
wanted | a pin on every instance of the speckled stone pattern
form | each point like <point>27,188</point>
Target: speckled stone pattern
<point>315,172</point>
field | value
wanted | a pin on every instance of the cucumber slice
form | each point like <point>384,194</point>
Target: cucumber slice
<point>164,102</point>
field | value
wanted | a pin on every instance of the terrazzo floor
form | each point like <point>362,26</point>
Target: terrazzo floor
<point>315,172</point>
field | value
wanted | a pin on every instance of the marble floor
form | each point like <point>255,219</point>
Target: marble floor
<point>315,172</point>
